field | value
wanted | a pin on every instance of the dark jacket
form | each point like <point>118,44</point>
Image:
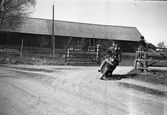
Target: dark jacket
<point>115,53</point>
<point>142,43</point>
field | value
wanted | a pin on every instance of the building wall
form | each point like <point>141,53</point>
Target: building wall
<point>128,46</point>
<point>30,40</point>
<point>45,41</point>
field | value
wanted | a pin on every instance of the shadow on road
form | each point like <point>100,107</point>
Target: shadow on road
<point>144,78</point>
<point>119,77</point>
<point>145,89</point>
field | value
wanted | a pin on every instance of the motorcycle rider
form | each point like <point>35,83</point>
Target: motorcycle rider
<point>111,60</point>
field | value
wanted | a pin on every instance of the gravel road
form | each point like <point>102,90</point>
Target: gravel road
<point>73,90</point>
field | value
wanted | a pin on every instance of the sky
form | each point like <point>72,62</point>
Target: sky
<point>149,17</point>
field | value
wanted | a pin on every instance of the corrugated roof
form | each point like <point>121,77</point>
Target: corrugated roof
<point>66,28</point>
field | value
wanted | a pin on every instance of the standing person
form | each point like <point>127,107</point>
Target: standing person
<point>111,60</point>
<point>142,44</point>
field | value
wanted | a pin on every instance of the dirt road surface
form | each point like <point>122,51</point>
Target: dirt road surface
<point>67,90</point>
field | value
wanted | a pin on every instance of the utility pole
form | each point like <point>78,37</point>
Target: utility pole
<point>1,10</point>
<point>53,38</point>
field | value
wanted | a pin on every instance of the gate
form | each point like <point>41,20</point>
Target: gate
<point>145,59</point>
<point>76,55</point>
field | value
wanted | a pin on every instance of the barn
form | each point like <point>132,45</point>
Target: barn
<point>78,36</point>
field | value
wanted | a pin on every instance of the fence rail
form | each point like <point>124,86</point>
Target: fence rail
<point>32,50</point>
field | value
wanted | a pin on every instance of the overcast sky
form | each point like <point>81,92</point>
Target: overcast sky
<point>149,17</point>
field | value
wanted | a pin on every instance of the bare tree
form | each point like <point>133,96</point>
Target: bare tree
<point>105,44</point>
<point>161,45</point>
<point>14,12</point>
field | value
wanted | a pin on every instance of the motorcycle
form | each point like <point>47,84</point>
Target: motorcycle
<point>109,67</point>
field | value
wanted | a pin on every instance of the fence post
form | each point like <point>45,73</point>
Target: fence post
<point>21,52</point>
<point>68,52</point>
<point>98,54</point>
<point>65,54</point>
<point>145,62</point>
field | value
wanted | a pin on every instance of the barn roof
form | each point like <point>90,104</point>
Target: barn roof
<point>75,29</point>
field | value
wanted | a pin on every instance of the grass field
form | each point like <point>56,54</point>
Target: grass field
<point>13,57</point>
